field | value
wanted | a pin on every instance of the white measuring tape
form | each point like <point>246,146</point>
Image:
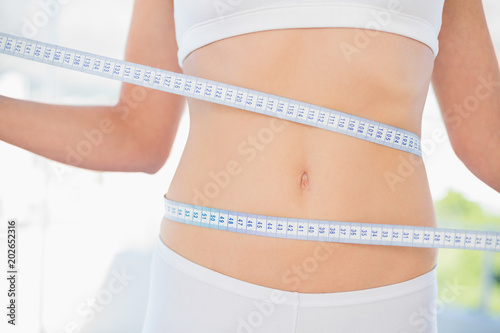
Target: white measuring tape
<point>276,106</point>
<point>212,91</point>
<point>331,231</point>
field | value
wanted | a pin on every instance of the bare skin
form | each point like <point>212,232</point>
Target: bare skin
<point>303,171</point>
<point>296,171</point>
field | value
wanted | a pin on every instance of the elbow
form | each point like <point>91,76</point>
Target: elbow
<point>144,151</point>
<point>152,160</point>
<point>152,168</point>
<point>146,138</point>
<point>471,158</point>
<point>138,154</point>
<point>467,147</point>
<point>482,159</point>
<point>461,151</point>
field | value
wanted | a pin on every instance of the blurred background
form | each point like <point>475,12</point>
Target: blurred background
<point>78,275</point>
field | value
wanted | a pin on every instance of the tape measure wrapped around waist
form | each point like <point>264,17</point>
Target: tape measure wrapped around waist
<point>276,106</point>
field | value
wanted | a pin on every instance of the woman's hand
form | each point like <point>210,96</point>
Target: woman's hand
<point>466,80</point>
<point>134,135</point>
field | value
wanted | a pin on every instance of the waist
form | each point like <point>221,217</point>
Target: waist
<point>280,168</point>
<point>248,162</point>
<point>277,167</point>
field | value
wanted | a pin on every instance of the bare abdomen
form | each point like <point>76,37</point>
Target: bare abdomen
<point>242,161</point>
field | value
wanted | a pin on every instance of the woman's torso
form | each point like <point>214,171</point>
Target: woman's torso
<point>242,161</point>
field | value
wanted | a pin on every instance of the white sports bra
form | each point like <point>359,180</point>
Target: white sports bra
<point>201,22</point>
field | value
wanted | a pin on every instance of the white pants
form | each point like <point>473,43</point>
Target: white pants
<point>188,298</point>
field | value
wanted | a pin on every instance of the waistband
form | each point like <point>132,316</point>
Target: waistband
<point>253,291</point>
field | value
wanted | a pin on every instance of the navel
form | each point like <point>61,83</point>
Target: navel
<point>304,181</point>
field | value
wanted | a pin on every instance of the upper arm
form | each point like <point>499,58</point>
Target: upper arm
<point>466,78</point>
<point>152,116</point>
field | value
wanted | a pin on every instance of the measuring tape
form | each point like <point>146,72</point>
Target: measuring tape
<point>212,91</point>
<point>271,105</point>
<point>331,231</point>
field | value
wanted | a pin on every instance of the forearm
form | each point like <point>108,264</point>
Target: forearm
<point>466,80</point>
<point>135,135</point>
<point>481,155</point>
<point>91,137</point>
<point>475,129</point>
